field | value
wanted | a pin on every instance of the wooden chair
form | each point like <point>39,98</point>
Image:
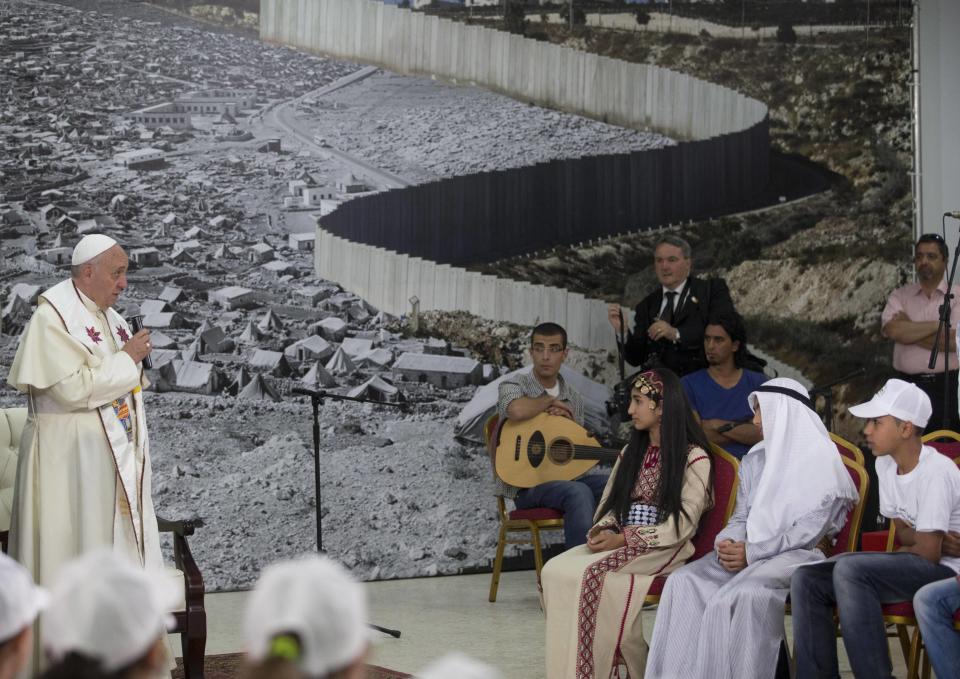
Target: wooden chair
<point>847,449</point>
<point>726,469</point>
<point>192,619</point>
<point>527,522</point>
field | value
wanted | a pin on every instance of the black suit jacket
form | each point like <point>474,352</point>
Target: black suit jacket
<point>704,298</point>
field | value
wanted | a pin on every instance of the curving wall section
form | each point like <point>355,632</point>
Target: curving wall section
<point>392,245</point>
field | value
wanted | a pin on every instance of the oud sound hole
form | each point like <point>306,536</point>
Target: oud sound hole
<point>561,451</point>
<point>536,448</point>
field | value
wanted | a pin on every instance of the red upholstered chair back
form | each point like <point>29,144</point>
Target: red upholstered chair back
<point>489,431</point>
<point>849,535</point>
<point>725,478</point>
<point>847,449</point>
<point>949,448</point>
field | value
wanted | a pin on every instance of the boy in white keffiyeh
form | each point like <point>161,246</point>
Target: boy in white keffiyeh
<point>722,616</point>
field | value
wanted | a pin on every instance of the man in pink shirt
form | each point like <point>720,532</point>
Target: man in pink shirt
<point>910,319</point>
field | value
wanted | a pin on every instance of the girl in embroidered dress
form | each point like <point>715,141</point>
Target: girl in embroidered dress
<point>647,516</point>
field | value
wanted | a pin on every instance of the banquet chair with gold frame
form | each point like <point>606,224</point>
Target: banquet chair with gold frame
<point>726,471</point>
<point>527,522</point>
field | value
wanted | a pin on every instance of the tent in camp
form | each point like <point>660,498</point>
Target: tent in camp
<point>191,376</point>
<point>318,376</point>
<point>376,389</point>
<point>340,363</point>
<point>241,380</point>
<point>259,389</point>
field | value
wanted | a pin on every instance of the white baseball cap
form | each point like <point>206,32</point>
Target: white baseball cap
<point>20,599</point>
<point>460,666</point>
<point>107,609</point>
<point>90,246</point>
<point>315,599</point>
<point>900,399</point>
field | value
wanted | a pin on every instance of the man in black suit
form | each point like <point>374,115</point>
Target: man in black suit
<point>670,321</point>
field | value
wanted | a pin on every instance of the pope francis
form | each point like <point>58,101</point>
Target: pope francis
<point>83,476</point>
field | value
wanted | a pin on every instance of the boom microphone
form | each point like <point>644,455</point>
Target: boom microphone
<point>136,324</point>
<point>303,391</point>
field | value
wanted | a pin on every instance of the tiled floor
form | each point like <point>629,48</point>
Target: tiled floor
<point>440,614</point>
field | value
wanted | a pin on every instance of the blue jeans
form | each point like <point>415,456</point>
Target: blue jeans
<point>857,584</point>
<point>935,605</point>
<point>576,499</point>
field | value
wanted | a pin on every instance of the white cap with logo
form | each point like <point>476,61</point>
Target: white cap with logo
<point>900,399</point>
<point>90,246</point>
<point>107,609</point>
<point>316,600</point>
<point>20,599</point>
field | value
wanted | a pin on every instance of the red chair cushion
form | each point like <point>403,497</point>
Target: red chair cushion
<point>874,541</point>
<point>656,589</point>
<point>535,514</point>
<point>901,608</point>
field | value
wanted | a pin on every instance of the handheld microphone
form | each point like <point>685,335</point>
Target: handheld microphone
<point>953,215</point>
<point>136,324</point>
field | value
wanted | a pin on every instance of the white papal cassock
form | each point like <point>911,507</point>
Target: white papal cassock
<point>83,475</point>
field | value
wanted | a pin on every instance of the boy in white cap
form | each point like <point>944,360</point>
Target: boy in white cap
<point>109,618</point>
<point>20,602</point>
<point>920,493</point>
<point>306,617</point>
<point>83,475</point>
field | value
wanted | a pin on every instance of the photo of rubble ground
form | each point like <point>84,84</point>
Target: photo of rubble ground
<point>207,155</point>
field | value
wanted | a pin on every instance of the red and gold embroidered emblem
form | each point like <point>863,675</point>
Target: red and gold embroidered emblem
<point>93,334</point>
<point>122,334</point>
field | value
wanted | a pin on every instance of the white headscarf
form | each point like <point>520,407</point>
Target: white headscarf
<point>802,471</point>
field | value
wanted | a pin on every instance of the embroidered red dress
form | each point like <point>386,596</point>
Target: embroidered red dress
<point>593,600</point>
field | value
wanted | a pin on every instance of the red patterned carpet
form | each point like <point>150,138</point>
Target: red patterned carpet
<point>227,666</point>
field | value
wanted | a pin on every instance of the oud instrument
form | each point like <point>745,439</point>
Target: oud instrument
<point>545,448</point>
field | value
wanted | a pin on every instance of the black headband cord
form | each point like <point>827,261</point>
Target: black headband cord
<point>787,392</point>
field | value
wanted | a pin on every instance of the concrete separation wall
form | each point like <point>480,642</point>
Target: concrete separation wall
<point>388,280</point>
<point>634,95</point>
<point>385,247</point>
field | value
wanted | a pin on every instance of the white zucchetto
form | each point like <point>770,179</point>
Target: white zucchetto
<point>91,246</point>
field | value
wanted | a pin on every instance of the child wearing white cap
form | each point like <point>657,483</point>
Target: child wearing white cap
<point>306,618</point>
<point>920,493</point>
<point>108,618</point>
<point>20,603</point>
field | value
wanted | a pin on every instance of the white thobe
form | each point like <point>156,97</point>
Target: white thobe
<point>714,624</point>
<point>83,473</point>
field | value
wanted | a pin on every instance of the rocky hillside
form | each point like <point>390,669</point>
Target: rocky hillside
<point>817,268</point>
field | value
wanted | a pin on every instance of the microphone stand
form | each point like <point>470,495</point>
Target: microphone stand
<point>944,330</point>
<point>826,390</point>
<point>316,400</point>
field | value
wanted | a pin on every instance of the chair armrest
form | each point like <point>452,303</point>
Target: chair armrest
<point>183,528</point>
<point>183,557</point>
